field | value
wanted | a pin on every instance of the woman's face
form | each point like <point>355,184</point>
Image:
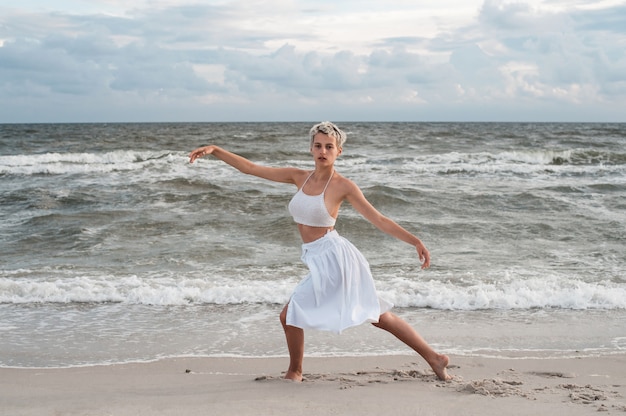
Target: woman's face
<point>324,149</point>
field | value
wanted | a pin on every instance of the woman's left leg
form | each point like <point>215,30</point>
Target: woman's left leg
<point>295,345</point>
<point>407,334</point>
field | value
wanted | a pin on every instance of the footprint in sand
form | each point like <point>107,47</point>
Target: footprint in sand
<point>495,388</point>
<point>584,394</point>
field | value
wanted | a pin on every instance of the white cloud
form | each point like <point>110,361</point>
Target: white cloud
<point>210,72</point>
<point>282,59</point>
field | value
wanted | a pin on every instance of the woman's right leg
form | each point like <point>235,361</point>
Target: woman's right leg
<point>295,345</point>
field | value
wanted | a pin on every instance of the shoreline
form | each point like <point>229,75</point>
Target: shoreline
<point>337,385</point>
<point>409,355</point>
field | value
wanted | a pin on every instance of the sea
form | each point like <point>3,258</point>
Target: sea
<point>115,249</point>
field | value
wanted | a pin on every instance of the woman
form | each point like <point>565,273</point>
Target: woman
<point>339,291</point>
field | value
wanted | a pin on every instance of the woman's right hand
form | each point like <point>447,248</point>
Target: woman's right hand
<point>199,152</point>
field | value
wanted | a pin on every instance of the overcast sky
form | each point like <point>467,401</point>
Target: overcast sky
<point>282,60</point>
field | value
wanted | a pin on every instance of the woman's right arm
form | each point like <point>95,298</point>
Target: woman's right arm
<point>285,175</point>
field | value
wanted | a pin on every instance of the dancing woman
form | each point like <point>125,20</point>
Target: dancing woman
<point>339,290</point>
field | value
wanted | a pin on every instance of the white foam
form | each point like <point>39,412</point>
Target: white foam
<point>527,293</point>
<point>80,163</point>
<point>574,161</point>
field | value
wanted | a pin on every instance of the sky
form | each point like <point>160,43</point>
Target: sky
<point>282,60</point>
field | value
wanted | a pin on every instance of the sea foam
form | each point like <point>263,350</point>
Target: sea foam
<point>530,293</point>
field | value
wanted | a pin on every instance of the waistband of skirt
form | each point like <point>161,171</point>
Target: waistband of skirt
<point>331,234</point>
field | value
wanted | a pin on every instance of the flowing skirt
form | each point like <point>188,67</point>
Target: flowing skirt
<point>338,292</point>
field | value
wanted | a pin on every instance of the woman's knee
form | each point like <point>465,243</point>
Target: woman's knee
<point>283,316</point>
<point>383,320</point>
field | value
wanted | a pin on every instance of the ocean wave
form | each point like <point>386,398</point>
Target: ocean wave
<point>531,162</point>
<point>522,163</point>
<point>533,293</point>
<point>134,290</point>
<point>517,162</point>
<point>80,163</point>
<point>530,293</point>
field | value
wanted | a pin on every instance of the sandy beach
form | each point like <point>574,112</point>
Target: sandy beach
<point>399,385</point>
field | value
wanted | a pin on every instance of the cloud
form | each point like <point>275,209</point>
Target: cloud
<point>245,60</point>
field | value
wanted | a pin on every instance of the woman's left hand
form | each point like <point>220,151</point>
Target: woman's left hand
<point>423,254</point>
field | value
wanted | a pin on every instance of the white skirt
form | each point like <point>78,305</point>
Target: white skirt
<point>338,292</point>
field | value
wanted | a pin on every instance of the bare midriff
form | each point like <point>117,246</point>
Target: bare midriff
<point>310,234</point>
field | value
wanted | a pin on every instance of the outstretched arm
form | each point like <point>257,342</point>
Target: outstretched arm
<point>364,207</point>
<point>286,175</point>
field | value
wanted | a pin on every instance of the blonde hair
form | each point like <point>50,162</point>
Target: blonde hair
<point>329,128</point>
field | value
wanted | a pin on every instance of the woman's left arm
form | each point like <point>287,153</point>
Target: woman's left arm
<point>356,198</point>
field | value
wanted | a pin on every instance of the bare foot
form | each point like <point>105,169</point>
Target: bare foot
<point>440,367</point>
<point>293,376</point>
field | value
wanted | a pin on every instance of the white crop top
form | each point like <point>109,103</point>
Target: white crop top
<point>310,209</point>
